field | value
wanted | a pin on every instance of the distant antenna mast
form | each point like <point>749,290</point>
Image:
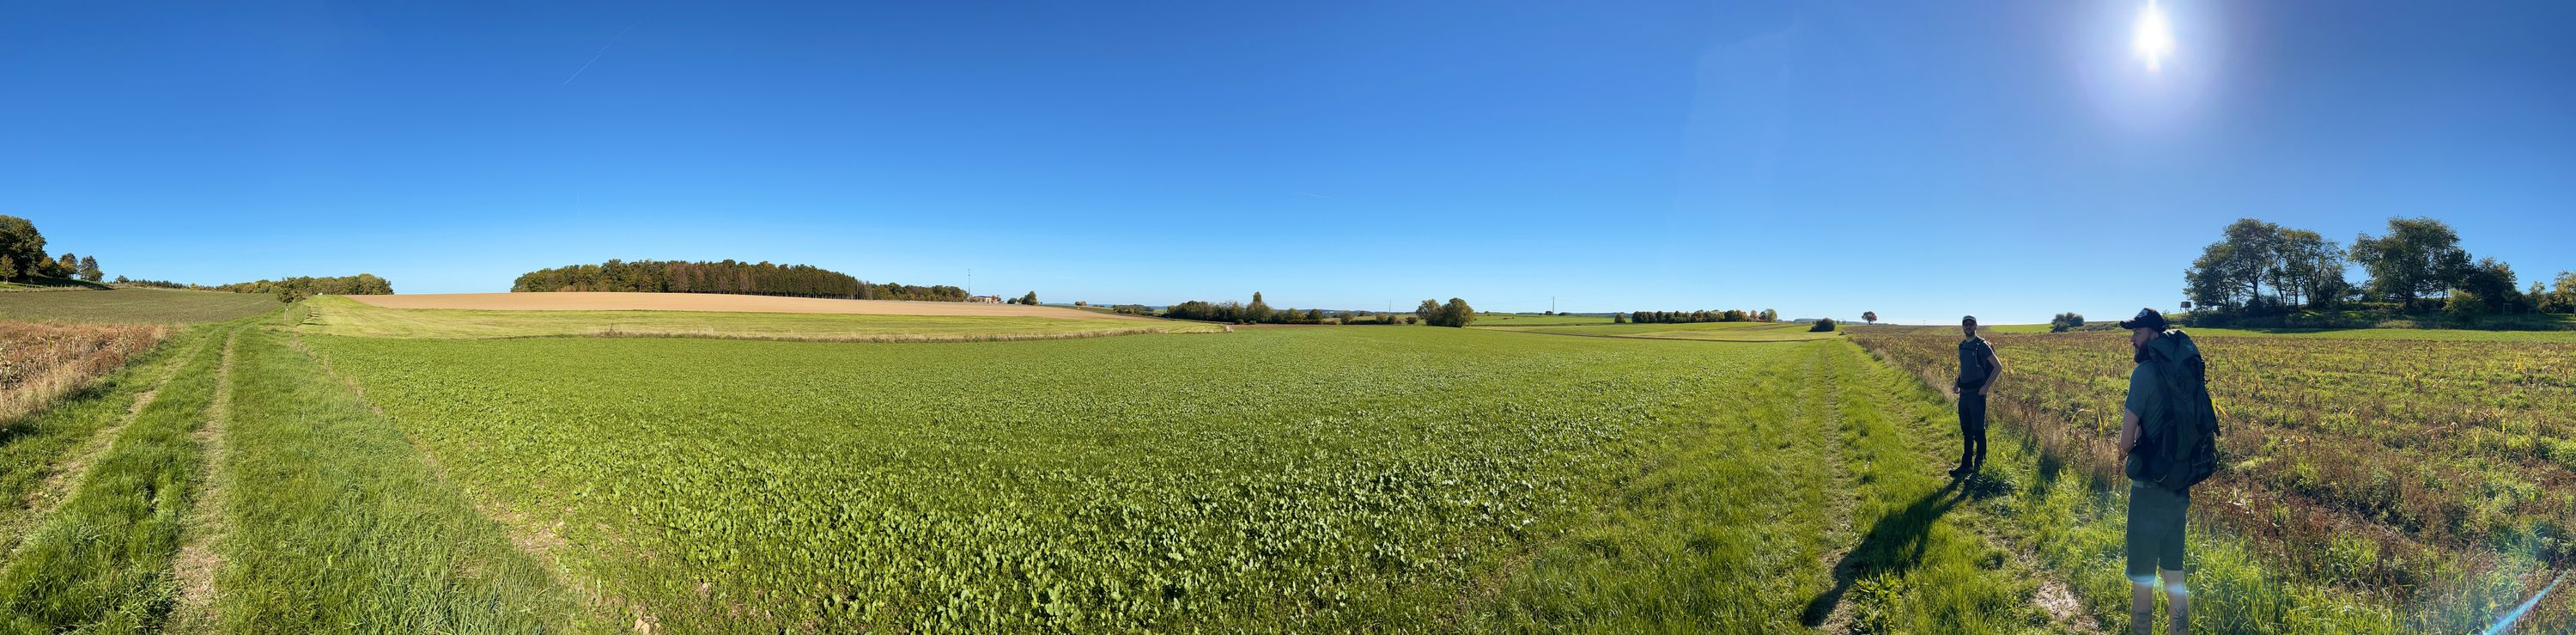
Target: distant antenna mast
<point>1551,304</point>
<point>970,281</point>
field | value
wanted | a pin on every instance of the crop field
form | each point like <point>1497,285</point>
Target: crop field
<point>718,302</point>
<point>1710,331</point>
<point>1284,479</point>
<point>2433,480</point>
<point>133,306</point>
<point>339,315</point>
<point>39,363</point>
<point>1536,319</point>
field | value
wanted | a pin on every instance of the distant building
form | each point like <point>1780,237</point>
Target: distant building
<point>985,299</point>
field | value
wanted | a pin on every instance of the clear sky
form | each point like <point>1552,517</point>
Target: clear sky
<point>1919,159</point>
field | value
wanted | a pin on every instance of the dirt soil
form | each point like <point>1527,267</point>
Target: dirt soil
<point>606,301</point>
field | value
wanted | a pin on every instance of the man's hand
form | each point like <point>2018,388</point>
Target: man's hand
<point>1988,390</point>
<point>2129,431</point>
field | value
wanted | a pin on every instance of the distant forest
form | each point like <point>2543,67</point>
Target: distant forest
<point>298,288</point>
<point>761,278</point>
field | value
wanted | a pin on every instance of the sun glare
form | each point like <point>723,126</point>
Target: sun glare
<point>2153,41</point>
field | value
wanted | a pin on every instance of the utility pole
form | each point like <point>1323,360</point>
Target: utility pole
<point>970,282</point>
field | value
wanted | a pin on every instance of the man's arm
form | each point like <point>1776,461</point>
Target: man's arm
<point>2129,430</point>
<point>1995,363</point>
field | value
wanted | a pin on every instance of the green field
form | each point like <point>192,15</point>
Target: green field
<point>1709,331</point>
<point>145,306</point>
<point>335,315</point>
<point>1536,319</point>
<point>293,473</point>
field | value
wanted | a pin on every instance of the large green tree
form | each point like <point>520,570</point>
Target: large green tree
<point>89,269</point>
<point>2418,258</point>
<point>21,247</point>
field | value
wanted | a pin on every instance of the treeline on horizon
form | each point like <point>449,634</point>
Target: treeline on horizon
<point>1688,317</point>
<point>1456,312</point>
<point>301,287</point>
<point>724,276</point>
<point>2259,269</point>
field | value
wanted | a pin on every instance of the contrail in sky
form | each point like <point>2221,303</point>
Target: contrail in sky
<point>603,50</point>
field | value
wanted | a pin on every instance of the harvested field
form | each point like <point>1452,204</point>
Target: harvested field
<point>728,303</point>
<point>41,362</point>
<point>345,315</point>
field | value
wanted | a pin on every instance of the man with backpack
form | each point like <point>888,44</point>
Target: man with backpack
<point>2168,433</point>
<point>1977,369</point>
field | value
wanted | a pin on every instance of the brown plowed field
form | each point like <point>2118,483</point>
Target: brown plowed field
<point>606,301</point>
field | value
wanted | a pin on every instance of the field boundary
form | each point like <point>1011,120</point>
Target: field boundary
<point>537,541</point>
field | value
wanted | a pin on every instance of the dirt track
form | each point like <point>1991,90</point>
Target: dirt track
<point>598,301</point>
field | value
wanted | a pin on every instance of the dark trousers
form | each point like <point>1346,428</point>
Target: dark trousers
<point>1972,428</point>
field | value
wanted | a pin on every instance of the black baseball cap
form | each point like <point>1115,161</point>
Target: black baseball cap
<point>2147,318</point>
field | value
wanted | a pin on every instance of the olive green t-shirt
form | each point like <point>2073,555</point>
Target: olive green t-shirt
<point>2146,399</point>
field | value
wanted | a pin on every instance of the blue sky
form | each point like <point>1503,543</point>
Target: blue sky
<point>1915,159</point>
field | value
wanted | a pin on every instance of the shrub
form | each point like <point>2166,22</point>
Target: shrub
<point>1822,326</point>
<point>2064,322</point>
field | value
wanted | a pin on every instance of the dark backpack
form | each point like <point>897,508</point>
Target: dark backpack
<point>1973,369</point>
<point>2185,452</point>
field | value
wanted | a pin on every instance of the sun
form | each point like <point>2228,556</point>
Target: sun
<point>2153,40</point>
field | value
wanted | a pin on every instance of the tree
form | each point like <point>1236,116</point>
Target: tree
<point>1031,299</point>
<point>1869,316</point>
<point>2418,258</point>
<point>1618,318</point>
<point>2493,282</point>
<point>2563,298</point>
<point>1456,314</point>
<point>1770,315</point>
<point>1258,311</point>
<point>2065,322</point>
<point>21,247</point>
<point>1428,311</point>
<point>89,269</point>
<point>1825,325</point>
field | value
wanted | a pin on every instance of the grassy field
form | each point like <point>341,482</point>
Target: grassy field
<point>2432,481</point>
<point>334,315</point>
<point>1709,331</point>
<point>133,306</point>
<point>1536,319</point>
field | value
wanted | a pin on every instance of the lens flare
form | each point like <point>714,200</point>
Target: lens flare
<point>2152,40</point>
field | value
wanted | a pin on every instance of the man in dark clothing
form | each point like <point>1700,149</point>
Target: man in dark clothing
<point>1977,369</point>
<point>2156,515</point>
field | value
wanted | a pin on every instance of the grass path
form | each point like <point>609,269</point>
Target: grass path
<point>39,466</point>
<point>351,528</point>
<point>101,560</point>
<point>196,564</point>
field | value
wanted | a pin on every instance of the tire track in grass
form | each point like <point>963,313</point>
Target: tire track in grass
<point>350,530</point>
<point>66,476</point>
<point>101,561</point>
<point>1932,416</point>
<point>195,567</point>
<point>1916,569</point>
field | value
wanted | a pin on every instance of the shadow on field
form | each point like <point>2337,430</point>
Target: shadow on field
<point>1894,545</point>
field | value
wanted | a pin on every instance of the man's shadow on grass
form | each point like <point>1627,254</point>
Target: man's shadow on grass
<point>1894,545</point>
